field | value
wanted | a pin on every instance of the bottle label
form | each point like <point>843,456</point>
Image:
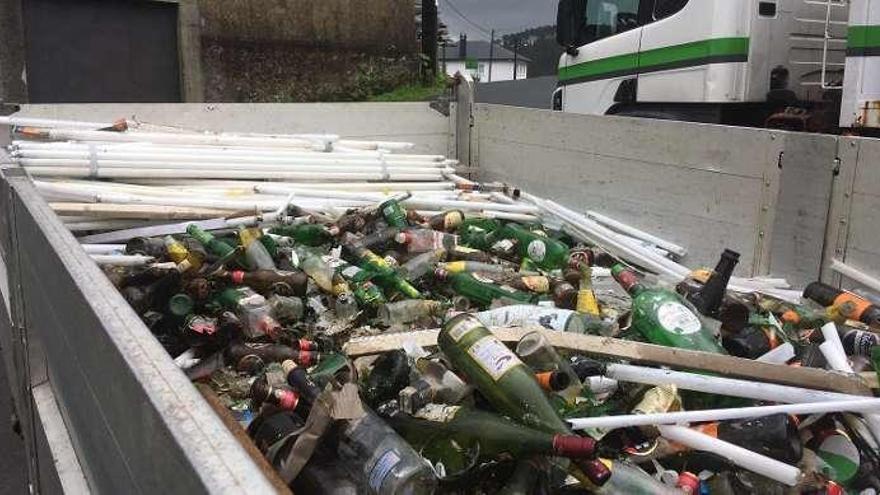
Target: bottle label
<point>381,469</point>
<point>524,315</point>
<point>462,328</point>
<point>482,278</point>
<point>540,285</point>
<point>677,318</point>
<point>438,413</point>
<point>537,250</point>
<point>503,246</point>
<point>452,220</point>
<point>351,271</point>
<point>493,356</point>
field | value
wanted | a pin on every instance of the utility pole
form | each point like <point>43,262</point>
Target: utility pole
<point>491,54</point>
<point>429,41</point>
<point>515,59</point>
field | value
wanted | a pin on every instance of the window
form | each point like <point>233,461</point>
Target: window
<point>666,8</point>
<point>609,17</point>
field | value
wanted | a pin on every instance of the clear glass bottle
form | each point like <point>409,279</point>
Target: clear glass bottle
<point>381,460</point>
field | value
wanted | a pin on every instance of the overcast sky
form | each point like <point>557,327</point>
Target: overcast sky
<point>505,16</point>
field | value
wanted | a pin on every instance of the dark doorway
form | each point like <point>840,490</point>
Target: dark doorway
<point>101,51</point>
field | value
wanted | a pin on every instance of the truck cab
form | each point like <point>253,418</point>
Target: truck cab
<point>720,61</point>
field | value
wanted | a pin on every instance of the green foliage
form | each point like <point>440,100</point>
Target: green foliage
<point>413,92</point>
<point>539,45</point>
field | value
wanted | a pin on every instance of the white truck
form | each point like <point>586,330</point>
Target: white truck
<point>781,63</point>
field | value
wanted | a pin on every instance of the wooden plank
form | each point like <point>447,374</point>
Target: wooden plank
<point>150,212</point>
<point>639,352</point>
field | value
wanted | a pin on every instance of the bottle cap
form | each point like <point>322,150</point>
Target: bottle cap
<point>596,471</point>
<point>553,381</point>
<point>688,482</point>
<point>823,294</point>
<point>574,446</point>
<point>181,305</point>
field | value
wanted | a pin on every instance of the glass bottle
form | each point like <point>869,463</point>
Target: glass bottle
<point>255,252</point>
<point>665,318</point>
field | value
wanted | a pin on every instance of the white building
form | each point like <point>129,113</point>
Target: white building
<point>474,57</point>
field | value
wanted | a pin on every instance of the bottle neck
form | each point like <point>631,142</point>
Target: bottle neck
<point>627,279</point>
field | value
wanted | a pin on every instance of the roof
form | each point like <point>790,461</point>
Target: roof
<point>480,50</point>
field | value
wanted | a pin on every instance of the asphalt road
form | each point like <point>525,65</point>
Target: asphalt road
<point>536,92</point>
<point>13,469</point>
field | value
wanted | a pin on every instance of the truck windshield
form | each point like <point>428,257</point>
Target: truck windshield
<point>609,17</point>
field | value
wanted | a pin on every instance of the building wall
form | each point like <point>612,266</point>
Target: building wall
<point>502,70</point>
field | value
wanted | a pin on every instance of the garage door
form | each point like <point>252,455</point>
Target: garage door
<point>101,51</point>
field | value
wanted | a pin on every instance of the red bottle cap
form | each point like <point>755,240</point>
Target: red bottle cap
<point>287,399</point>
<point>306,358</point>
<point>688,482</point>
<point>596,471</point>
<point>237,277</point>
<point>573,446</point>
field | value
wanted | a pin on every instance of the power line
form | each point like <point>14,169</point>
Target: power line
<point>458,12</point>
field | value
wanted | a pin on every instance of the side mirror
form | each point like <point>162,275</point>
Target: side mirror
<point>570,23</point>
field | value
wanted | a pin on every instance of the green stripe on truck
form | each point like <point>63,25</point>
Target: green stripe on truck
<point>714,51</point>
<point>863,41</point>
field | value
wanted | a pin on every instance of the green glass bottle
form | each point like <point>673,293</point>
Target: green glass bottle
<point>309,234</point>
<point>546,253</point>
<point>477,232</point>
<point>386,276</point>
<point>496,434</point>
<point>500,376</point>
<point>664,317</point>
<point>393,212</point>
<point>360,281</point>
<point>481,291</point>
<point>507,383</point>
<point>213,245</point>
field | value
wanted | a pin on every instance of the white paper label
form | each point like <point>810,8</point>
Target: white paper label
<point>525,315</point>
<point>537,250</point>
<point>493,356</point>
<point>438,413</point>
<point>351,271</point>
<point>462,328</point>
<point>380,471</point>
<point>677,318</point>
<point>482,278</point>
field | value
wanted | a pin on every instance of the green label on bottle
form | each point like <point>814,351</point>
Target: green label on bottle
<point>493,356</point>
<point>677,318</point>
<point>380,471</point>
<point>537,250</point>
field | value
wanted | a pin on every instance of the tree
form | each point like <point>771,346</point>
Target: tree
<point>539,45</point>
